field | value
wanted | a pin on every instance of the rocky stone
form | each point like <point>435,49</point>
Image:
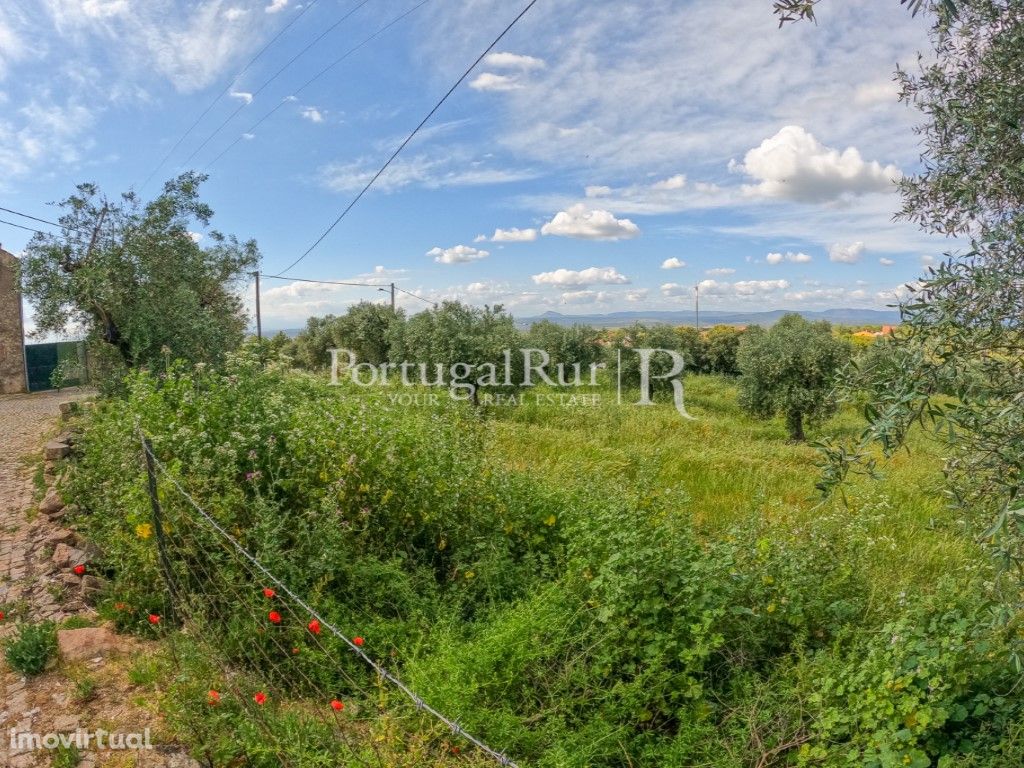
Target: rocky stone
<point>63,555</point>
<point>51,503</point>
<point>92,588</point>
<point>56,450</point>
<point>85,643</point>
<point>61,535</point>
<point>69,408</point>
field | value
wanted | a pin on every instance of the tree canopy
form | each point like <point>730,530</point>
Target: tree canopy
<point>790,369</point>
<point>136,279</point>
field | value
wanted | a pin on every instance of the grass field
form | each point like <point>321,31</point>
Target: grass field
<point>732,468</point>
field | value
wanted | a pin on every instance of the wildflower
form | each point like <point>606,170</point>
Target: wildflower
<point>214,698</point>
<point>358,641</point>
<point>121,606</point>
<point>143,530</point>
<point>314,627</point>
<point>260,698</point>
<point>275,617</point>
<point>2,616</point>
<point>79,570</point>
<point>268,592</point>
<point>253,475</point>
<point>154,619</point>
<point>295,651</point>
<point>337,705</point>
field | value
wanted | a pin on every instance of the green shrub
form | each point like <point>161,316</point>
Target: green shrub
<point>31,648</point>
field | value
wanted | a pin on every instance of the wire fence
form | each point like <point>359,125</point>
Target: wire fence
<point>295,649</point>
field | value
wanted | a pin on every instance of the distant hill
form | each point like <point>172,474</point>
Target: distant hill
<point>712,317</point>
<point>685,317</point>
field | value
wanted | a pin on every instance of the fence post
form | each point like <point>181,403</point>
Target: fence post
<point>158,526</point>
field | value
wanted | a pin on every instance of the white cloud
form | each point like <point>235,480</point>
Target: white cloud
<point>720,271</point>
<point>597,191</point>
<point>744,289</point>
<point>587,297</point>
<point>248,136</point>
<point>242,96</point>
<point>795,258</point>
<point>674,182</point>
<point>313,114</point>
<point>673,263</point>
<point>928,261</point>
<point>234,14</point>
<point>638,295</point>
<point>504,60</point>
<point>589,276</point>
<point>459,254</point>
<point>488,81</point>
<point>793,165</point>
<point>590,224</point>
<point>514,235</point>
<point>520,64</point>
<point>104,9</point>
<point>886,262</point>
<point>675,289</point>
<point>878,92</point>
<point>453,169</point>
<point>276,6</point>
<point>846,254</point>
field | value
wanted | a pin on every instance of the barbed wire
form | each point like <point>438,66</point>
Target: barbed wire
<point>381,671</point>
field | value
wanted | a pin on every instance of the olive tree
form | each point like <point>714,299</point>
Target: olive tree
<point>136,278</point>
<point>790,370</point>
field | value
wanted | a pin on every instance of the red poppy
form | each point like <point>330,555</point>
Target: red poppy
<point>337,705</point>
<point>455,750</point>
<point>295,651</point>
<point>2,616</point>
<point>358,641</point>
<point>154,619</point>
<point>275,617</point>
<point>268,592</point>
<point>214,698</point>
<point>260,698</point>
<point>314,627</point>
<point>79,570</point>
<point>121,606</point>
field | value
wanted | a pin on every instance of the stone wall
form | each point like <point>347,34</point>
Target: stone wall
<point>12,340</point>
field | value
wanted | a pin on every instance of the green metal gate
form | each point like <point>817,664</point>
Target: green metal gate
<point>43,359</point>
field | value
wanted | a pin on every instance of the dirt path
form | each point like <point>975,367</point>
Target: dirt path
<point>110,691</point>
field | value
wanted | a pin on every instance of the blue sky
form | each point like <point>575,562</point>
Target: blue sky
<point>608,156</point>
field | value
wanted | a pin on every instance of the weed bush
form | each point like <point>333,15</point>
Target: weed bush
<point>31,647</point>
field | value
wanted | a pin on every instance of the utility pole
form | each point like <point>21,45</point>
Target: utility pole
<point>696,304</point>
<point>259,320</point>
<point>392,297</point>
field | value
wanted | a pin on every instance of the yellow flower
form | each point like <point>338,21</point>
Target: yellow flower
<point>551,520</point>
<point>470,575</point>
<point>143,530</point>
<point>770,608</point>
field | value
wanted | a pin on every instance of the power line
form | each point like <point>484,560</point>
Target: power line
<point>273,77</point>
<point>325,282</point>
<point>227,88</point>
<point>313,79</point>
<point>411,136</point>
<point>35,218</point>
<point>342,282</point>
<point>29,229</point>
<point>410,293</point>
